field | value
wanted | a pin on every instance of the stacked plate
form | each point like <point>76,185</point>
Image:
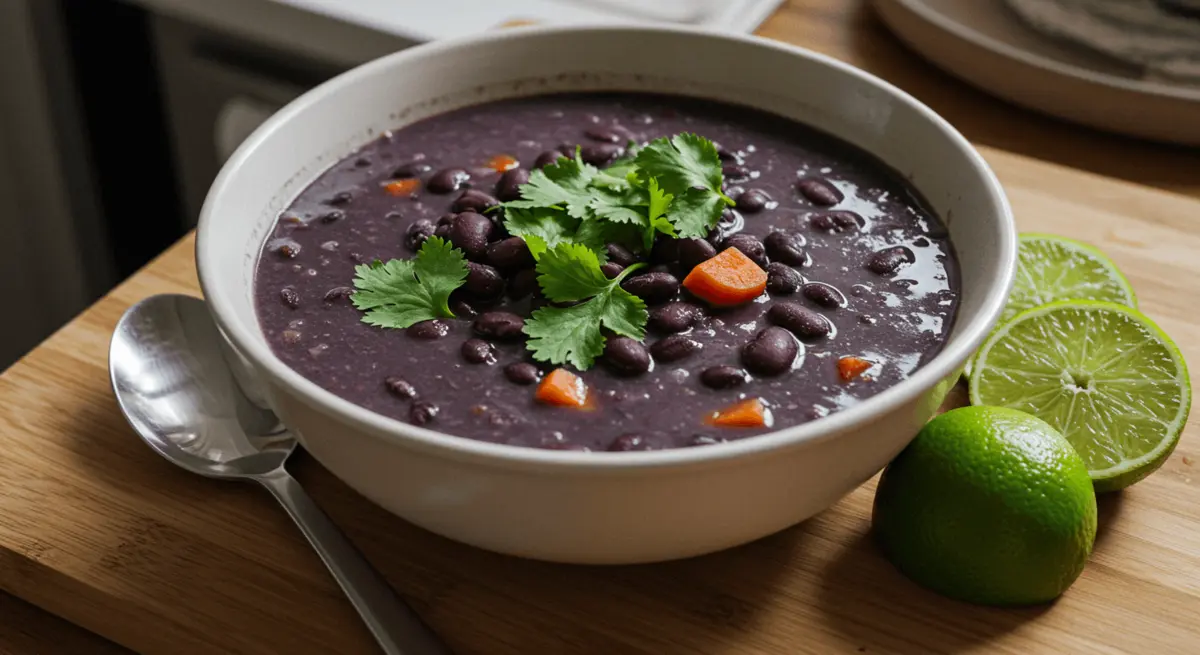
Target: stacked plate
<point>1058,63</point>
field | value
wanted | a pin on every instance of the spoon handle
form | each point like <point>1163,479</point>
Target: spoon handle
<point>395,626</point>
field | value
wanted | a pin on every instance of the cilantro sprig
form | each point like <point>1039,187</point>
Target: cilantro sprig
<point>401,292</point>
<point>670,186</point>
<point>567,213</point>
<point>570,273</point>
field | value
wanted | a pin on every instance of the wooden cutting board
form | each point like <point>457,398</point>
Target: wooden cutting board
<point>99,530</point>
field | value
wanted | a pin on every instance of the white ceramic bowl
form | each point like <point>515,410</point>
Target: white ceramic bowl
<point>603,507</point>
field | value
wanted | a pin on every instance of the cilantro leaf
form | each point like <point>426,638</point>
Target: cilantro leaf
<point>660,201</point>
<point>564,184</point>
<point>688,168</point>
<point>570,273</point>
<point>595,234</point>
<point>695,213</point>
<point>620,207</point>
<point>572,335</point>
<point>401,292</point>
<point>541,227</point>
<point>682,162</point>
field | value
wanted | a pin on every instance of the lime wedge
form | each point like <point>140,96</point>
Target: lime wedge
<point>1102,374</point>
<point>1052,268</point>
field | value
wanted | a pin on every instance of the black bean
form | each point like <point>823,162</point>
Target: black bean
<point>726,154</point>
<point>478,351</point>
<point>547,158</point>
<point>824,294</point>
<point>447,180</point>
<point>462,308</point>
<point>771,352</point>
<point>417,233</point>
<point>749,245</point>
<point>620,254</point>
<point>800,320</point>
<point>735,172</point>
<point>600,155</point>
<point>338,293</point>
<point>289,297</point>
<point>523,284</point>
<point>471,232</point>
<point>473,200</point>
<point>653,288</point>
<point>333,216</point>
<point>483,282</point>
<point>522,373</point>
<point>782,280</point>
<point>837,221</point>
<point>415,168</point>
<point>723,377</point>
<point>603,135</point>
<point>442,231</point>
<point>508,188</point>
<point>431,329</point>
<point>674,317</point>
<point>626,356</point>
<point>611,269</point>
<point>786,248</point>
<point>889,260</point>
<point>629,442</point>
<point>511,254</point>
<point>753,201</point>
<point>820,192</point>
<point>422,412</point>
<point>693,252</point>
<point>504,326</point>
<point>400,388</point>
<point>665,251</point>
<point>340,198</point>
<point>674,348</point>
<point>362,162</point>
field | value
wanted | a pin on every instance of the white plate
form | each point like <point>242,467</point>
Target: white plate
<point>984,43</point>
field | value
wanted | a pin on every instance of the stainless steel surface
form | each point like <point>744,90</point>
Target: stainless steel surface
<point>191,398</point>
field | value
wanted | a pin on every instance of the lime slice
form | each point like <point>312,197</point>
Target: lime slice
<point>1052,268</point>
<point>1102,374</point>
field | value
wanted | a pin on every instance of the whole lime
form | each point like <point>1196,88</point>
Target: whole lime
<point>988,505</point>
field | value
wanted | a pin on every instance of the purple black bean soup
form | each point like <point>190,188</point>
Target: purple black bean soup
<point>607,272</point>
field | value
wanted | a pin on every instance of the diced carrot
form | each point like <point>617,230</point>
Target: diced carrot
<point>749,413</point>
<point>852,367</point>
<point>501,163</point>
<point>403,187</point>
<point>728,279</point>
<point>563,388</point>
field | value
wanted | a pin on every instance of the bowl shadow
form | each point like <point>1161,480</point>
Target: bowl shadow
<point>483,602</point>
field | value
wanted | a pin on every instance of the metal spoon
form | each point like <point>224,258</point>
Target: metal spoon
<point>189,396</point>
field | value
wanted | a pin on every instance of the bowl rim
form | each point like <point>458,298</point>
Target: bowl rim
<point>252,344</point>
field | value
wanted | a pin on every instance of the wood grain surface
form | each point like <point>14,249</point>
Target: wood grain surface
<point>95,528</point>
<point>99,530</point>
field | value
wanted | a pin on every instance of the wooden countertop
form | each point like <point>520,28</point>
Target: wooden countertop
<point>849,31</point>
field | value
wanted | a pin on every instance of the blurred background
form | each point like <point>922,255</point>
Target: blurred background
<point>117,114</point>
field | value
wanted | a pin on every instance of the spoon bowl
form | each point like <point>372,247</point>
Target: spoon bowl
<point>173,374</point>
<point>192,399</point>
